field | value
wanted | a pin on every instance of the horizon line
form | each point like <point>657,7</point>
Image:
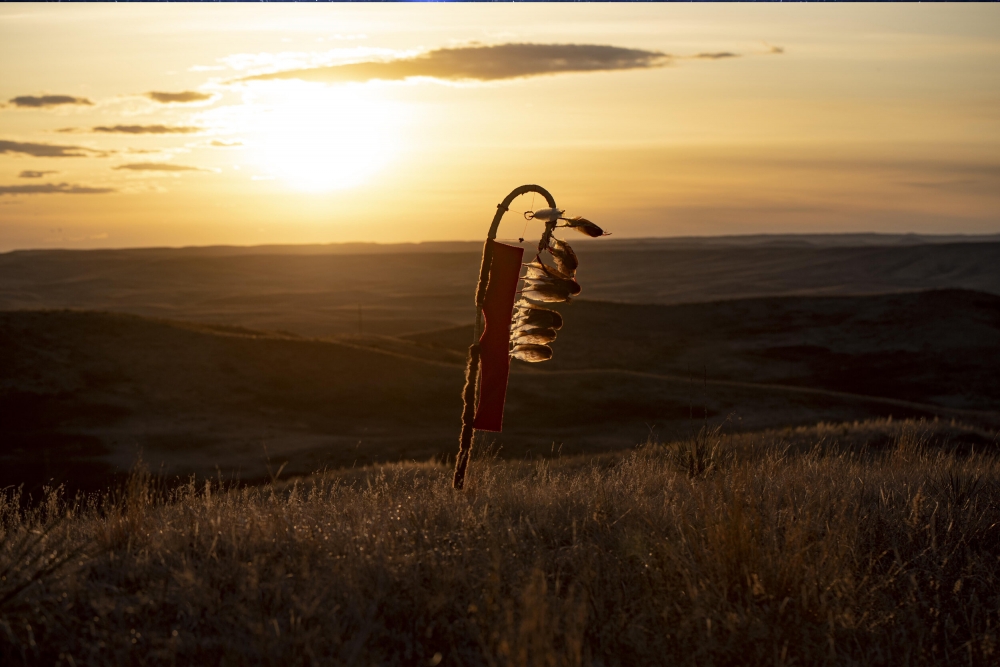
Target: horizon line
<point>707,238</point>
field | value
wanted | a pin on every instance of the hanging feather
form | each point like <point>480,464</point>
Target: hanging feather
<point>536,270</point>
<point>550,290</point>
<point>567,285</point>
<point>530,315</point>
<point>584,227</point>
<point>523,304</point>
<point>535,273</point>
<point>563,256</point>
<point>533,335</point>
<point>539,273</point>
<point>545,296</point>
<point>532,353</point>
<point>539,320</point>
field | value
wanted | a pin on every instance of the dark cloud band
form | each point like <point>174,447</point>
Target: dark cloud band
<point>185,97</point>
<point>47,150</point>
<point>485,63</point>
<point>719,55</point>
<point>35,174</point>
<point>42,101</point>
<point>145,129</point>
<point>156,166</point>
<point>52,189</point>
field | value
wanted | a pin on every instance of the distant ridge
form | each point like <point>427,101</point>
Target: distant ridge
<point>862,240</point>
<point>398,289</point>
<point>851,240</point>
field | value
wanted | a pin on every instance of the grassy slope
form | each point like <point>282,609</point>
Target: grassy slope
<point>108,385</point>
<point>870,543</point>
<point>82,393</point>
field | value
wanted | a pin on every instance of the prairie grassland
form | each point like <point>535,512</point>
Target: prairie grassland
<point>871,543</point>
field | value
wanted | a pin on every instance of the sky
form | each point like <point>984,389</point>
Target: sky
<point>127,125</point>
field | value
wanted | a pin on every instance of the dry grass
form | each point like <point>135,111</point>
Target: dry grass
<point>873,543</point>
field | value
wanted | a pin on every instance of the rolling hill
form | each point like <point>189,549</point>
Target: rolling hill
<point>395,290</point>
<point>938,346</point>
<point>82,394</point>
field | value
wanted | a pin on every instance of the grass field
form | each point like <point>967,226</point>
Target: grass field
<point>868,543</point>
<point>821,483</point>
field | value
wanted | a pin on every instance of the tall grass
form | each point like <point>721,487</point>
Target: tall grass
<point>867,544</point>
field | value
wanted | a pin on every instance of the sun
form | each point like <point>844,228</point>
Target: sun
<point>319,138</point>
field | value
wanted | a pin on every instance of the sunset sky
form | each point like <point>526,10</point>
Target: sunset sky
<point>159,124</point>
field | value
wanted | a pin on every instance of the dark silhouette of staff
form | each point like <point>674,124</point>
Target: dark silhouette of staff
<point>473,363</point>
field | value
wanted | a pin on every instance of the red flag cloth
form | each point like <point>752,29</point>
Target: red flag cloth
<point>494,345</point>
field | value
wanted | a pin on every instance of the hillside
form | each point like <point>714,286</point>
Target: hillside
<point>939,346</point>
<point>83,393</point>
<point>102,387</point>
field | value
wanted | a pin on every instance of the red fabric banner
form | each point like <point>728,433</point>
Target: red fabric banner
<point>494,345</point>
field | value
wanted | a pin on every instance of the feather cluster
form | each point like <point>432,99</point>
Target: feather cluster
<point>535,326</point>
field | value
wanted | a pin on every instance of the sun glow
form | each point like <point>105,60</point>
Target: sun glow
<point>319,138</point>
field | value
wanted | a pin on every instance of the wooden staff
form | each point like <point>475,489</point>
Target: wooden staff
<point>472,363</point>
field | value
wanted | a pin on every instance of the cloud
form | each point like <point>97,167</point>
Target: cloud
<point>52,189</point>
<point>986,187</point>
<point>774,49</point>
<point>156,166</point>
<point>143,129</point>
<point>184,97</point>
<point>715,56</point>
<point>47,150</point>
<point>484,63</point>
<point>225,144</point>
<point>35,174</point>
<point>42,101</point>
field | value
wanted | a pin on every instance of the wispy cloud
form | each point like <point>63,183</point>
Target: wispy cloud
<point>986,186</point>
<point>145,129</point>
<point>35,174</point>
<point>48,150</point>
<point>52,189</point>
<point>184,97</point>
<point>719,55</point>
<point>225,144</point>
<point>132,129</point>
<point>42,101</point>
<point>157,166</point>
<point>484,63</point>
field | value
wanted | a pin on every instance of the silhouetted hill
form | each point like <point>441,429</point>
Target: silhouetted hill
<point>393,290</point>
<point>938,346</point>
<point>81,393</point>
<point>104,386</point>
